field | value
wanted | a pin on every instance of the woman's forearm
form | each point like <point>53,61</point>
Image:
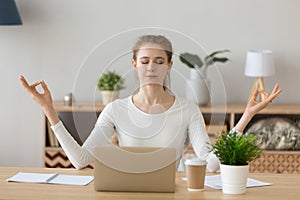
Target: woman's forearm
<point>242,123</point>
<point>51,114</point>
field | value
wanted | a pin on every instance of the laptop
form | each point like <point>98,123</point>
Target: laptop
<point>134,169</point>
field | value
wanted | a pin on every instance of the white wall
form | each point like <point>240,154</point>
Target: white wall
<point>58,35</point>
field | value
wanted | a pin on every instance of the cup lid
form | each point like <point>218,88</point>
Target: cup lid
<point>195,161</point>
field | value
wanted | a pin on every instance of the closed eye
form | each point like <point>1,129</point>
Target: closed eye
<point>159,61</point>
<point>144,61</point>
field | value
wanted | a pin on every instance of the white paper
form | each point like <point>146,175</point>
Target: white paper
<point>71,180</point>
<point>31,177</point>
<point>216,182</point>
<point>51,178</point>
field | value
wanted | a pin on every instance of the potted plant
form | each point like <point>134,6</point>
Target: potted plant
<point>198,72</point>
<point>235,152</point>
<point>110,83</point>
<point>193,61</point>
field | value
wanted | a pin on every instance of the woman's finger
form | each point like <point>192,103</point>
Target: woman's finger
<point>275,88</point>
<point>274,95</point>
<point>35,84</point>
<point>29,88</point>
<point>45,87</point>
<point>255,93</point>
<point>264,92</point>
<point>24,82</point>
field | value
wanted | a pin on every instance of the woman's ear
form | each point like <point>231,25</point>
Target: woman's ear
<point>170,65</point>
<point>133,62</point>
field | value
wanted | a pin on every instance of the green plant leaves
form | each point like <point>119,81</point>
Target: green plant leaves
<point>211,59</point>
<point>215,53</point>
<point>234,149</point>
<point>191,60</point>
<point>110,80</point>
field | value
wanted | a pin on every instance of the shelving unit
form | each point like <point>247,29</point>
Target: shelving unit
<point>217,117</point>
<point>84,112</point>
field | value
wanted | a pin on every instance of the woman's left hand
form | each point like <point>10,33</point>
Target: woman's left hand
<point>253,106</point>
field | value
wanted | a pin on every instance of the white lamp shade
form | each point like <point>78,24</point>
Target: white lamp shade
<point>259,63</point>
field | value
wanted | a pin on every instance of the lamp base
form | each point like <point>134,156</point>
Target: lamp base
<point>258,84</point>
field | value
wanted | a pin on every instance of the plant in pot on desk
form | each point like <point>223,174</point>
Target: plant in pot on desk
<point>197,84</point>
<point>235,152</point>
<point>110,83</point>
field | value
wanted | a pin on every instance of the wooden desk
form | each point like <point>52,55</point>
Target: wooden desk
<point>285,186</point>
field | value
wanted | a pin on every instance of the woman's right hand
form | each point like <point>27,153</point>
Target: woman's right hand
<point>43,99</point>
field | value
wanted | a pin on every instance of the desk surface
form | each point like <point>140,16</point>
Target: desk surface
<point>285,186</point>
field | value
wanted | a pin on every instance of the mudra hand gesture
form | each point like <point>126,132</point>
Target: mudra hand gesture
<point>44,99</point>
<point>254,106</point>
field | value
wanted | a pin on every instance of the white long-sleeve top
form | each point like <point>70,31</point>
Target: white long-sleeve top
<point>181,124</point>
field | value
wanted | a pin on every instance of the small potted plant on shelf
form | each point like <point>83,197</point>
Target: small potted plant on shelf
<point>110,83</point>
<point>235,152</point>
<point>197,81</point>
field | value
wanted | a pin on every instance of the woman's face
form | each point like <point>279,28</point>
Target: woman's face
<point>151,65</point>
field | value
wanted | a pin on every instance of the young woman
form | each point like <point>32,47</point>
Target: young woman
<point>152,117</point>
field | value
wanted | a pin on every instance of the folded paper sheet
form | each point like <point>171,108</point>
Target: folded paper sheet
<point>50,178</point>
<point>216,182</point>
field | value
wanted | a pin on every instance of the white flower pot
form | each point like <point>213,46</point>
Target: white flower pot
<point>196,88</point>
<point>109,96</point>
<point>234,178</point>
<point>196,74</point>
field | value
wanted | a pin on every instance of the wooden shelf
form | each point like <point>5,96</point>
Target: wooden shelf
<point>233,111</point>
<point>239,109</point>
<point>82,106</point>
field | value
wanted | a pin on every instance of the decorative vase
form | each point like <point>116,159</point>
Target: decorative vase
<point>197,88</point>
<point>234,178</point>
<point>109,96</point>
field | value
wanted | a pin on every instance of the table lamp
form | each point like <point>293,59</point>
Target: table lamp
<point>9,14</point>
<point>259,64</point>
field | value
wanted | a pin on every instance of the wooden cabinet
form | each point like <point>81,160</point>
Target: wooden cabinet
<point>81,117</point>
